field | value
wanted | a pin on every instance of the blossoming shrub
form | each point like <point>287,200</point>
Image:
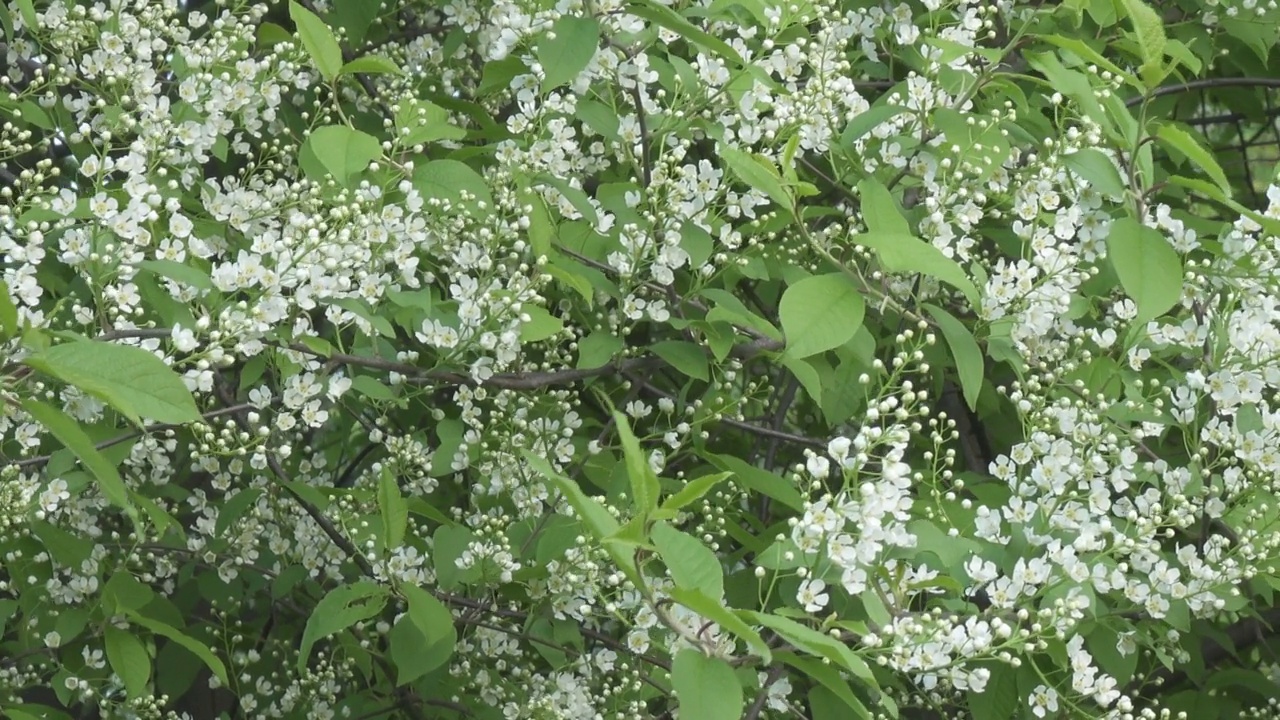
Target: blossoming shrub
<point>633,358</point>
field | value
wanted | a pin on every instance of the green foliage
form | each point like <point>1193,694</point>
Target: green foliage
<point>734,359</point>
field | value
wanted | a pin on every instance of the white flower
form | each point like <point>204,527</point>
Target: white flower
<point>812,595</point>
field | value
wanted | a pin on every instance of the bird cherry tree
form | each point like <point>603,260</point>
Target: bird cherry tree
<point>709,359</point>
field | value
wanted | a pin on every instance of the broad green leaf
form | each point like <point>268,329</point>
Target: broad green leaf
<point>694,491</point>
<point>234,508</point>
<point>684,356</point>
<point>270,34</point>
<point>28,11</point>
<point>820,313</point>
<point>901,253</point>
<point>341,608</point>
<point>1180,140</point>
<point>1097,170</point>
<point>66,548</point>
<point>342,151</point>
<point>665,17</point>
<point>123,592</point>
<point>1149,269</point>
<point>318,41</point>
<point>394,510</point>
<point>195,647</point>
<point>643,480</point>
<point>829,678</point>
<point>692,565</point>
<point>542,325</point>
<point>705,687</point>
<point>999,700</point>
<point>598,349</point>
<point>806,371</point>
<point>816,643</point>
<point>360,309</point>
<point>759,480</point>
<point>432,624</point>
<point>593,515</point>
<point>9,327</point>
<point>72,436</point>
<point>447,179</point>
<point>965,350</point>
<point>426,122</point>
<point>1088,54</point>
<point>1148,30</point>
<point>565,52</point>
<point>1073,84</point>
<point>602,525</point>
<point>867,121</point>
<point>132,380</point>
<point>757,173</point>
<point>371,64</point>
<point>129,659</point>
<point>880,209</point>
<point>355,16</point>
<point>180,272</point>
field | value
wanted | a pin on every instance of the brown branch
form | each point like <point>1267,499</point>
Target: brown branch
<point>1205,84</point>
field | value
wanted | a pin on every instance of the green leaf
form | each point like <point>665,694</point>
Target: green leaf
<point>318,41</point>
<point>129,659</point>
<point>1088,54</point>
<point>758,173</point>
<point>1181,141</point>
<point>901,253</point>
<point>69,433</point>
<point>447,179</point>
<point>234,508</point>
<point>433,624</point>
<point>343,152</point>
<point>132,380</point>
<point>597,520</point>
<point>565,53</point>
<point>9,327</point>
<point>665,17</point>
<point>1097,170</point>
<point>880,209</point>
<point>28,11</point>
<point>705,687</point>
<point>965,350</point>
<point>123,592</point>
<point>195,647</point>
<point>692,565</point>
<point>542,325</point>
<point>1148,30</point>
<point>816,643</point>
<point>181,272</point>
<point>829,678</point>
<point>1149,269</point>
<point>371,64</point>
<point>644,482</point>
<point>684,356</point>
<point>426,122</point>
<point>759,480</point>
<point>598,349</point>
<point>999,700</point>
<point>394,510</point>
<point>865,122</point>
<point>694,490</point>
<point>820,313</point>
<point>355,16</point>
<point>341,608</point>
<point>593,515</point>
